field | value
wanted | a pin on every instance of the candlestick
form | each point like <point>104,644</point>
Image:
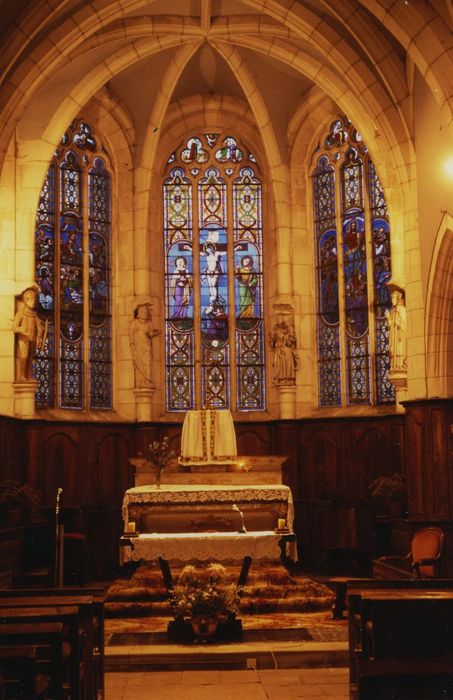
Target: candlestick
<point>281,523</point>
<point>130,526</point>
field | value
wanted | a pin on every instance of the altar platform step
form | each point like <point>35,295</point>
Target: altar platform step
<point>310,641</point>
<point>237,655</point>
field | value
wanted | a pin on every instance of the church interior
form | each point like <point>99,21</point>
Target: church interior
<point>226,335</point>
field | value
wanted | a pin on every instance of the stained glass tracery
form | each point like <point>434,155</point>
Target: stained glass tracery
<point>352,237</point>
<point>213,287</point>
<point>72,251</point>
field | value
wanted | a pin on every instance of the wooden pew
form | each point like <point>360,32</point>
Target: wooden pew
<point>20,675</point>
<point>400,639</point>
<point>74,654</point>
<point>46,639</point>
<point>86,628</point>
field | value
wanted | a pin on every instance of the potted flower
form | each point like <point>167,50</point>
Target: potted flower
<point>18,502</point>
<point>204,599</point>
<point>158,456</point>
<point>391,491</point>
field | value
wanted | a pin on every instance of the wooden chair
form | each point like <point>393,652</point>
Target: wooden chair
<point>422,560</point>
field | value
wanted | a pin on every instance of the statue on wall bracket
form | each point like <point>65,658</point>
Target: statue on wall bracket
<point>30,333</point>
<point>396,318</point>
<point>283,342</point>
<point>141,334</point>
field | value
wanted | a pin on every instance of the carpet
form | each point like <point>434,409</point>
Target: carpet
<point>269,589</point>
<point>313,626</point>
<point>259,635</point>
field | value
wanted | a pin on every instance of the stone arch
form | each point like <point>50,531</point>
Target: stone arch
<point>428,41</point>
<point>439,314</point>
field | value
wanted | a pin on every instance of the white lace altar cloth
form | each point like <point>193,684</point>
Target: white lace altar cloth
<point>198,494</point>
<point>220,546</point>
<point>208,437</point>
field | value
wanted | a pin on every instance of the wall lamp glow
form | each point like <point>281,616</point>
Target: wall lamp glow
<point>448,166</point>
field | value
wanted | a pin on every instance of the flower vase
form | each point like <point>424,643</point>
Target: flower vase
<point>158,478</point>
<point>204,627</point>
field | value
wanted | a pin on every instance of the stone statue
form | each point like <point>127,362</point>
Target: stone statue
<point>29,331</point>
<point>283,341</point>
<point>396,318</point>
<point>141,335</point>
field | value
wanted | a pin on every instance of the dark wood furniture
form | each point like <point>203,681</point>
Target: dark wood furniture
<point>44,644</point>
<point>400,640</point>
<point>81,614</point>
<point>422,560</point>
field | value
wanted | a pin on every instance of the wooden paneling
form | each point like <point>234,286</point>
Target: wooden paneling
<point>254,439</point>
<point>12,450</point>
<point>429,458</point>
<point>337,461</point>
<point>330,464</point>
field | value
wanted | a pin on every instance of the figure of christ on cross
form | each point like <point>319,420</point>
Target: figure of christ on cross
<point>213,253</point>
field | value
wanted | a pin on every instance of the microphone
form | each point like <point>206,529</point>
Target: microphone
<point>236,508</point>
<point>57,507</point>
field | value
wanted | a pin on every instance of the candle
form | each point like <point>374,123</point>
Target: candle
<point>281,523</point>
<point>130,526</point>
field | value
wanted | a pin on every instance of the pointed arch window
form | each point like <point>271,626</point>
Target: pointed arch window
<point>72,253</point>
<point>212,201</point>
<point>352,239</point>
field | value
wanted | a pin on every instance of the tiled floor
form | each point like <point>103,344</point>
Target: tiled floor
<point>284,684</point>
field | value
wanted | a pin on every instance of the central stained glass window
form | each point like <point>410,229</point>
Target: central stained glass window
<point>213,276</point>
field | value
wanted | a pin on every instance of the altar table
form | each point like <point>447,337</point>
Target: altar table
<point>193,508</point>
<point>218,546</point>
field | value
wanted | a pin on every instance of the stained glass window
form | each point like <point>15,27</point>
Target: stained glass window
<point>72,248</point>
<point>213,276</point>
<point>352,238</point>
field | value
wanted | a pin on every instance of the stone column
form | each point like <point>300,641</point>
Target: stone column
<point>287,401</point>
<point>144,403</point>
<point>24,398</point>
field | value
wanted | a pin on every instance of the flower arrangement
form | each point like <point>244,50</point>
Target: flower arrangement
<point>15,496</point>
<point>158,455</point>
<point>392,487</point>
<point>204,594</point>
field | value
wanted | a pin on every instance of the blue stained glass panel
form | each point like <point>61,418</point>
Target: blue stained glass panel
<point>214,286</point>
<point>179,291</point>
<point>44,369</point>
<point>329,371</point>
<point>329,368</point>
<point>248,280</point>
<point>212,283</point>
<point>349,159</point>
<point>328,276</point>
<point>355,273</point>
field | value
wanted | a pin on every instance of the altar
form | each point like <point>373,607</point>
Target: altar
<point>207,507</point>
<point>211,504</point>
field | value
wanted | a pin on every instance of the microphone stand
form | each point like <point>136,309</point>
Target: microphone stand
<point>242,531</point>
<point>59,539</point>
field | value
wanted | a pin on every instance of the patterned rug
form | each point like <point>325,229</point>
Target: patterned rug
<point>271,627</point>
<point>269,589</point>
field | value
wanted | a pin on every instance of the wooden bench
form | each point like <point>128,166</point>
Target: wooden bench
<point>82,611</point>
<point>20,676</point>
<point>401,639</point>
<point>42,644</point>
<point>74,641</point>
